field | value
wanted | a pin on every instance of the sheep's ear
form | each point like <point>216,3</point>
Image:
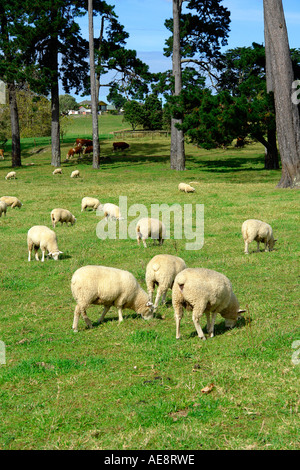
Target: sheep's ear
<point>50,254</point>
<point>241,311</point>
<point>60,252</point>
<point>149,304</point>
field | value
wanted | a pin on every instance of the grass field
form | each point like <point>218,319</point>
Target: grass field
<point>133,386</point>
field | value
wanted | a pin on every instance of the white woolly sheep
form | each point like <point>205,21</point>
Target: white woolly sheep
<point>75,174</point>
<point>57,171</point>
<point>101,285</point>
<point>11,201</point>
<point>153,228</point>
<point>11,175</point>
<point>111,211</point>
<point>204,291</point>
<point>62,216</point>
<point>259,231</point>
<point>92,202</point>
<point>161,271</point>
<point>3,208</point>
<point>186,188</point>
<point>40,236</point>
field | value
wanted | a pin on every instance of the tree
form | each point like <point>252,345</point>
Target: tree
<point>134,113</point>
<point>280,78</point>
<point>55,33</point>
<point>196,38</point>
<point>66,103</point>
<point>177,137</point>
<point>94,98</point>
<point>153,114</point>
<point>12,64</point>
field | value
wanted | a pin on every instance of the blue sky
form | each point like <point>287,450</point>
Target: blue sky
<point>144,21</point>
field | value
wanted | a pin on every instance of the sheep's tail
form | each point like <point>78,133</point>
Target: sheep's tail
<point>155,267</point>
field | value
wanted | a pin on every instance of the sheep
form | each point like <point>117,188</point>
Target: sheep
<point>102,285</point>
<point>111,211</point>
<point>57,171</point>
<point>11,201</point>
<point>62,215</point>
<point>204,291</point>
<point>40,236</point>
<point>186,188</point>
<point>92,202</point>
<point>153,228</point>
<point>162,270</point>
<point>3,208</point>
<point>75,174</point>
<point>259,231</point>
<point>11,175</point>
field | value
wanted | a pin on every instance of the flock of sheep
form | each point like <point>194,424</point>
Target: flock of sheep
<point>196,289</point>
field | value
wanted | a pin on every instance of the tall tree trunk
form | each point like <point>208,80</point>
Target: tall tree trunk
<point>55,127</point>
<point>282,77</point>
<point>177,152</point>
<point>94,99</point>
<point>15,129</point>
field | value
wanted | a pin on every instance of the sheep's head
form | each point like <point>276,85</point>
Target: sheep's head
<point>271,244</point>
<point>55,254</point>
<point>148,310</point>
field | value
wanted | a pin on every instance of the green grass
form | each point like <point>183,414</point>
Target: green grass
<point>134,386</point>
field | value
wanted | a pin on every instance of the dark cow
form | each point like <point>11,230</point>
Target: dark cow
<point>78,149</point>
<point>120,146</point>
<point>88,150</point>
<point>84,142</point>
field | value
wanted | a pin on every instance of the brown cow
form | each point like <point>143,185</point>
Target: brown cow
<point>70,153</point>
<point>120,146</point>
<point>78,149</point>
<point>88,150</point>
<point>84,142</point>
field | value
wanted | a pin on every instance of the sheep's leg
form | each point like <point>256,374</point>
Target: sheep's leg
<point>120,314</point>
<point>246,247</point>
<point>76,318</point>
<point>178,311</point>
<point>105,310</point>
<point>138,239</point>
<point>257,247</point>
<point>197,313</point>
<point>86,318</point>
<point>163,300</point>
<point>158,294</point>
<point>150,288</point>
<point>144,242</point>
<point>211,324</point>
<point>43,255</point>
<point>267,248</point>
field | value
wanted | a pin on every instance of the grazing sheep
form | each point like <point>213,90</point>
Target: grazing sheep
<point>11,175</point>
<point>92,202</point>
<point>204,291</point>
<point>75,174</point>
<point>111,211</point>
<point>62,215</point>
<point>101,285</point>
<point>153,228</point>
<point>259,231</point>
<point>3,208</point>
<point>186,188</point>
<point>162,270</point>
<point>11,201</point>
<point>57,171</point>
<point>40,236</point>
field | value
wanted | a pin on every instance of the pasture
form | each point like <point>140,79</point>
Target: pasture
<point>133,386</point>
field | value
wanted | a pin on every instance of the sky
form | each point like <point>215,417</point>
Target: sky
<point>144,21</point>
